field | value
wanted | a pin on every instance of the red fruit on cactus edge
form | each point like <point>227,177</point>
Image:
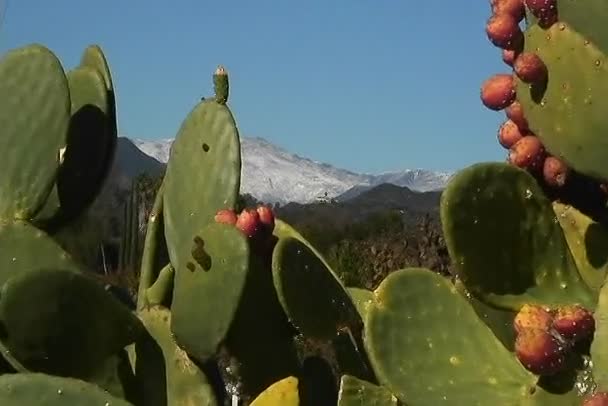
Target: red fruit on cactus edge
<point>266,216</point>
<point>248,222</point>
<point>508,56</point>
<point>527,153</point>
<point>597,399</point>
<point>539,352</point>
<point>509,134</point>
<point>544,10</point>
<point>498,91</point>
<point>515,8</point>
<point>533,317</point>
<point>530,68</point>
<point>555,171</point>
<point>503,31</point>
<point>226,216</point>
<point>515,113</point>
<point>574,323</point>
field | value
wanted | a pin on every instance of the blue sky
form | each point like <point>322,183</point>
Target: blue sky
<point>367,85</point>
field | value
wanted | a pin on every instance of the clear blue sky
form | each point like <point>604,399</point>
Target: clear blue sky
<point>367,85</point>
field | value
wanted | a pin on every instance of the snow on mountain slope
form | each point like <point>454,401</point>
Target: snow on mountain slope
<point>272,174</point>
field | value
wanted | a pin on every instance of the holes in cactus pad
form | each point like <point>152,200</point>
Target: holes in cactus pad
<point>200,255</point>
<point>205,147</point>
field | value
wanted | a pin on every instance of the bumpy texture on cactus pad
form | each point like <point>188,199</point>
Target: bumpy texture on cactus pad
<point>208,289</point>
<point>283,392</point>
<point>422,361</point>
<point>170,378</point>
<point>32,389</point>
<point>35,115</point>
<point>567,114</point>
<point>297,272</point>
<point>48,316</point>
<point>599,345</point>
<point>203,175</point>
<point>506,244</point>
<point>356,392</point>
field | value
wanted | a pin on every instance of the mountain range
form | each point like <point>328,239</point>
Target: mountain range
<point>272,174</point>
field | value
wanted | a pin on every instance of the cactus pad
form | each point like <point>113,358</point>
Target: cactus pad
<point>298,271</point>
<point>34,117</point>
<point>428,347</point>
<point>587,240</point>
<point>71,314</point>
<point>171,378</point>
<point>283,392</point>
<point>203,175</point>
<point>362,298</point>
<point>356,392</point>
<point>567,113</point>
<point>208,289</point>
<point>505,241</point>
<point>34,389</point>
<point>599,345</point>
<point>17,242</point>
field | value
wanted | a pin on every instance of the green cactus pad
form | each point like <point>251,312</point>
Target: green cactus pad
<point>428,347</point>
<point>568,116</point>
<point>34,389</point>
<point>209,287</point>
<point>505,241</point>
<point>35,115</point>
<point>81,176</point>
<point>362,298</point>
<point>587,240</point>
<point>356,392</point>
<point>168,376</point>
<point>297,271</point>
<point>203,175</point>
<point>71,314</point>
<point>18,240</point>
<point>599,345</point>
<point>283,393</point>
<point>589,21</point>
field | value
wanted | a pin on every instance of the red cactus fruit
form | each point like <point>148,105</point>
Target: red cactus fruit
<point>527,153</point>
<point>530,68</point>
<point>248,222</point>
<point>226,216</point>
<point>544,10</point>
<point>509,134</point>
<point>498,91</point>
<point>555,171</point>
<point>515,113</point>
<point>515,8</point>
<point>503,31</point>
<point>533,317</point>
<point>597,399</point>
<point>574,323</point>
<point>539,352</point>
<point>508,56</point>
<point>266,216</point>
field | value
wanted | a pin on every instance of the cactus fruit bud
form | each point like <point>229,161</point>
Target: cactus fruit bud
<point>503,31</point>
<point>226,217</point>
<point>555,171</point>
<point>514,8</point>
<point>544,10</point>
<point>597,399</point>
<point>533,317</point>
<point>221,85</point>
<point>515,113</point>
<point>248,222</point>
<point>509,134</point>
<point>266,217</point>
<point>530,68</point>
<point>574,323</point>
<point>498,91</point>
<point>527,153</point>
<point>539,352</point>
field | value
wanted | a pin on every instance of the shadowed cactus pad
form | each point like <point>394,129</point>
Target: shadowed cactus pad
<point>34,120</point>
<point>47,316</point>
<point>438,352</point>
<point>355,392</point>
<point>506,243</point>
<point>44,390</point>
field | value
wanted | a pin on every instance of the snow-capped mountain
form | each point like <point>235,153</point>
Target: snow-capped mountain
<point>272,174</point>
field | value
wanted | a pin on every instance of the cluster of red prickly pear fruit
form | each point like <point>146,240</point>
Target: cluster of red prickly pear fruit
<point>257,224</point>
<point>498,92</point>
<point>545,337</point>
<point>597,399</point>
